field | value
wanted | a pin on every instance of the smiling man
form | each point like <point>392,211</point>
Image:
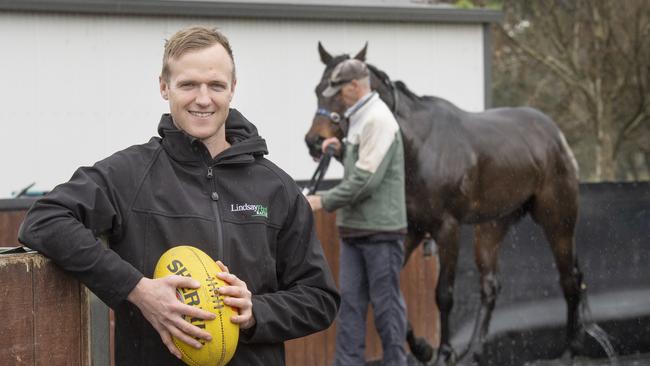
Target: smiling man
<point>204,182</point>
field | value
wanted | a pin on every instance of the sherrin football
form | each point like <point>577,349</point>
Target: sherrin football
<point>192,262</point>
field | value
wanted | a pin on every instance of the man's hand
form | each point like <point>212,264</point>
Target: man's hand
<point>316,202</point>
<point>335,142</point>
<point>157,301</point>
<point>237,295</point>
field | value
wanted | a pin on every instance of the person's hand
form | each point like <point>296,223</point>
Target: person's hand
<point>157,301</point>
<point>316,202</point>
<point>237,295</point>
<point>335,142</point>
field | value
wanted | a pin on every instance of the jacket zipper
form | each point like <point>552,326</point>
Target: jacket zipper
<point>214,196</point>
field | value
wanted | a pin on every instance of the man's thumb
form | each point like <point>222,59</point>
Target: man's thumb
<point>183,282</point>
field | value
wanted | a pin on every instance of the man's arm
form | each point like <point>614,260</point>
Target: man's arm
<point>65,226</point>
<point>377,145</point>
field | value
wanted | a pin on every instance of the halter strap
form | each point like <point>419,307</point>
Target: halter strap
<point>332,116</point>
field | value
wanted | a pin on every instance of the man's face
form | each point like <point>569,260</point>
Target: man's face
<point>350,93</point>
<point>199,91</point>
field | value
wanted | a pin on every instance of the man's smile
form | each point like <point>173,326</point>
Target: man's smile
<point>201,114</point>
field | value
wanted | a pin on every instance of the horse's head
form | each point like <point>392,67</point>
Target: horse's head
<point>329,115</point>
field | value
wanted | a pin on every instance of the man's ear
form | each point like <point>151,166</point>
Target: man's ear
<point>164,88</point>
<point>232,88</point>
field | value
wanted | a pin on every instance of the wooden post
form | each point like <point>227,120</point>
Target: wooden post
<point>45,314</point>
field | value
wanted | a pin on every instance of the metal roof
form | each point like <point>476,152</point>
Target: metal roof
<point>390,11</point>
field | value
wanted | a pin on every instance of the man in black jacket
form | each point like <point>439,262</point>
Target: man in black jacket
<point>203,182</point>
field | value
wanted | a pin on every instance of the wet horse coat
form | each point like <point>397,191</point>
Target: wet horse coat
<point>486,169</point>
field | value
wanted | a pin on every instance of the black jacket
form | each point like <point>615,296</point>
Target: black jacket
<point>238,207</point>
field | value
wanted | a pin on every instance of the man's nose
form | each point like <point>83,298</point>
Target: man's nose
<point>203,96</point>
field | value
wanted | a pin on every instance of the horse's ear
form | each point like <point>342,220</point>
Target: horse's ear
<point>361,56</point>
<point>325,56</point>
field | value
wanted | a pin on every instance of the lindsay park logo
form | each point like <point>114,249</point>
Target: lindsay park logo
<point>257,210</point>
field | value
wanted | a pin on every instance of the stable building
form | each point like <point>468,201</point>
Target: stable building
<point>80,77</point>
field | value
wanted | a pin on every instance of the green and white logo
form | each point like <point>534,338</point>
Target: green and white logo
<point>257,210</point>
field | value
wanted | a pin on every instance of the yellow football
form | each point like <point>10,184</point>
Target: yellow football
<point>192,262</point>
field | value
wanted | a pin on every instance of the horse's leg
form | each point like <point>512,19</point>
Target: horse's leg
<point>487,240</point>
<point>413,239</point>
<point>556,211</point>
<point>420,348</point>
<point>447,238</point>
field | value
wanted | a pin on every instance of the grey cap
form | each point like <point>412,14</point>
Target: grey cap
<point>344,72</point>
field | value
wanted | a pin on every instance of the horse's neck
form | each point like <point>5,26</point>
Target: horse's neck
<point>417,115</point>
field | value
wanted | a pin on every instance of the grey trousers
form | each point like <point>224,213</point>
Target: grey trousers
<point>369,272</point>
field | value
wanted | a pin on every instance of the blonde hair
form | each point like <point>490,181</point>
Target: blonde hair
<point>193,38</point>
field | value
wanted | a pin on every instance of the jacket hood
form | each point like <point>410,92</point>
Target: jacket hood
<point>245,142</point>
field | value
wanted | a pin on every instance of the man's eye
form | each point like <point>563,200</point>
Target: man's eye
<point>187,86</point>
<point>217,87</point>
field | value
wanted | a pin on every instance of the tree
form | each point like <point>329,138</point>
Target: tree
<point>587,63</point>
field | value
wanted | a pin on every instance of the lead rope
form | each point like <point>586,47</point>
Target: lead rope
<point>321,169</point>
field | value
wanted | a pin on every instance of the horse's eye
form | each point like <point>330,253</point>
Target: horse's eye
<point>335,117</point>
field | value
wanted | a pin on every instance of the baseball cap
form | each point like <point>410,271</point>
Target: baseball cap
<point>344,72</point>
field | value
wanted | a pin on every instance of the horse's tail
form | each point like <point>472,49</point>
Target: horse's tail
<point>569,154</point>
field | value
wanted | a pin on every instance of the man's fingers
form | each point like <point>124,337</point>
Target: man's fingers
<point>191,330</point>
<point>231,279</point>
<point>193,312</point>
<point>239,303</point>
<point>222,266</point>
<point>182,281</point>
<point>235,291</point>
<point>240,319</point>
<point>169,342</point>
<point>331,141</point>
<point>183,337</point>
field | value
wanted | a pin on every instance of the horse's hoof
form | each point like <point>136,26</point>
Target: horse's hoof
<point>421,349</point>
<point>446,356</point>
<point>566,358</point>
<point>469,359</point>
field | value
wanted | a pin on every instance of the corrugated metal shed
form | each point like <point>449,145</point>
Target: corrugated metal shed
<point>80,77</point>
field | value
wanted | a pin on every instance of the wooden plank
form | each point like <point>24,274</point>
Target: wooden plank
<point>16,301</point>
<point>85,354</point>
<point>45,314</point>
<point>57,318</point>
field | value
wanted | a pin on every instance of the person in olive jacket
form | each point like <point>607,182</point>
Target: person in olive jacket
<point>204,182</point>
<point>370,207</point>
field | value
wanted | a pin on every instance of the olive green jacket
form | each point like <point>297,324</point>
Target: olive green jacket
<point>371,194</point>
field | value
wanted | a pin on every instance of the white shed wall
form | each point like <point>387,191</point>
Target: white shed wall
<point>76,88</point>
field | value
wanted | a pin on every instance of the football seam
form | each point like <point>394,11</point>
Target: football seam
<point>220,311</point>
<point>194,363</point>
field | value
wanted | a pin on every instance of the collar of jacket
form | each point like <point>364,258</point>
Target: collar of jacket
<point>359,108</point>
<point>245,143</point>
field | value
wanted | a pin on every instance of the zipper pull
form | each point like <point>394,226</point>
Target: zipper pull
<point>209,175</point>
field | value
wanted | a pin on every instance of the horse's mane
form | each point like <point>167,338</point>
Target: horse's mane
<point>400,85</point>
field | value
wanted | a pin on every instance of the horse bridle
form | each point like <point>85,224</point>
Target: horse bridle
<point>332,116</point>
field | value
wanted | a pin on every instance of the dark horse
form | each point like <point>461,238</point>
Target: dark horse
<point>486,169</point>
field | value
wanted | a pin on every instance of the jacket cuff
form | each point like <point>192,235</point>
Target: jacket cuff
<point>326,202</point>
